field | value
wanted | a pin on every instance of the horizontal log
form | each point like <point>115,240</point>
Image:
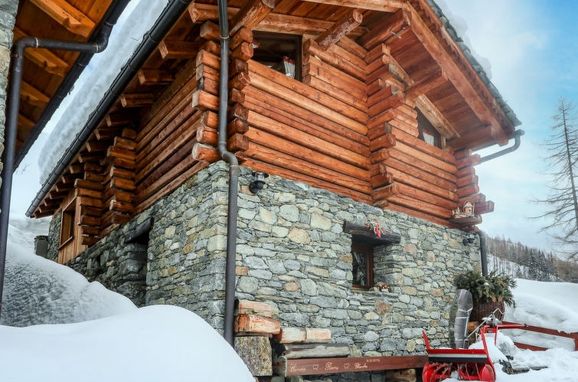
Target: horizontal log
<point>313,49</point>
<point>340,29</point>
<point>262,309</point>
<point>290,335</point>
<point>426,208</point>
<point>299,351</point>
<point>277,84</point>
<point>411,179</point>
<point>253,324</point>
<point>272,168</point>
<point>205,153</point>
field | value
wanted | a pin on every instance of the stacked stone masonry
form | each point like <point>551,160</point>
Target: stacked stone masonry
<point>292,252</point>
<point>8,9</point>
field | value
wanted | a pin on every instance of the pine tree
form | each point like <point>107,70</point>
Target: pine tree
<point>562,202</point>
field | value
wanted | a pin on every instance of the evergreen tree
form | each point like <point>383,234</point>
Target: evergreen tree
<point>562,203</point>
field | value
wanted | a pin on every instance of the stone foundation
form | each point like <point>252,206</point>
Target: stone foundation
<point>292,252</point>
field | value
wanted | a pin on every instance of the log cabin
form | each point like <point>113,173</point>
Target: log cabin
<point>355,124</point>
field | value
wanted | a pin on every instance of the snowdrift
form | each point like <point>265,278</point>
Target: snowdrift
<point>40,291</point>
<point>546,304</point>
<point>156,343</point>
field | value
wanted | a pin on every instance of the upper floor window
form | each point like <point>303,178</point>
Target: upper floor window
<point>427,132</point>
<point>280,52</point>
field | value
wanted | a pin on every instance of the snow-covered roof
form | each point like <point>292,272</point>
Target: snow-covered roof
<point>453,33</point>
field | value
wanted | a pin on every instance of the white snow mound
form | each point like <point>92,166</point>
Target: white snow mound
<point>152,344</point>
<point>40,291</point>
<point>552,305</point>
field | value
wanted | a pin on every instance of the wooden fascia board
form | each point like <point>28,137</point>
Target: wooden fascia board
<point>388,6</point>
<point>455,74</point>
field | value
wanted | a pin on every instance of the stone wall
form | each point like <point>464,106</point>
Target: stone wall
<point>292,252</point>
<point>8,9</point>
<point>183,261</point>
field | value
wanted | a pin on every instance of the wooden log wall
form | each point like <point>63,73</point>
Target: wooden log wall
<point>409,175</point>
<point>308,131</point>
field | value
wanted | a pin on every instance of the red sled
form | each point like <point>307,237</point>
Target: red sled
<point>470,364</point>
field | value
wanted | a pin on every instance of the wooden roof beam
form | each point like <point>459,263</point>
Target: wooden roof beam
<point>389,6</point>
<point>428,84</point>
<point>25,123</point>
<point>33,96</point>
<point>44,58</point>
<point>340,29</point>
<point>173,49</point>
<point>136,100</point>
<point>67,15</point>
<point>151,77</point>
<point>274,22</point>
<point>437,119</point>
<point>455,75</point>
<point>396,25</point>
<point>251,14</point>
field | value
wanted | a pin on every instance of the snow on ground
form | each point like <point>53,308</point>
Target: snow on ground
<point>156,343</point>
<point>40,291</point>
<point>137,19</point>
<point>552,305</point>
<point>152,344</point>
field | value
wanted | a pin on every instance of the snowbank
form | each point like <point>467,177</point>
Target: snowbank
<point>551,305</point>
<point>157,343</point>
<point>40,291</point>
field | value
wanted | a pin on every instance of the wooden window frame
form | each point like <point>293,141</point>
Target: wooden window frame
<point>298,39</point>
<point>430,129</point>
<point>67,224</point>
<point>366,250</point>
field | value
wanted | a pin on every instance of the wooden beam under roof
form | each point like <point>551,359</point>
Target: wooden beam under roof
<point>44,58</point>
<point>33,96</point>
<point>455,75</point>
<point>252,14</point>
<point>274,22</point>
<point>172,49</point>
<point>393,26</point>
<point>340,29</point>
<point>389,6</point>
<point>149,77</point>
<point>25,123</point>
<point>436,118</point>
<point>67,15</point>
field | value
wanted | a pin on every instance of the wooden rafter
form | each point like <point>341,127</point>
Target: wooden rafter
<point>389,6</point>
<point>341,28</point>
<point>136,100</point>
<point>426,85</point>
<point>44,58</point>
<point>147,77</point>
<point>274,22</point>
<point>437,119</point>
<point>395,26</point>
<point>252,14</point>
<point>33,96</point>
<point>170,49</point>
<point>25,123</point>
<point>455,74</point>
<point>67,15</point>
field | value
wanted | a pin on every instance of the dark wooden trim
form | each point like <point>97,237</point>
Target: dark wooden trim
<point>366,235</point>
<point>324,366</point>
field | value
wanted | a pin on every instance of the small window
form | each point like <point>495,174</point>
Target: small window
<point>427,132</point>
<point>362,265</point>
<point>67,224</point>
<point>281,52</point>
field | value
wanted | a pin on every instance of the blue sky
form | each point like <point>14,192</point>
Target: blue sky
<point>532,50</point>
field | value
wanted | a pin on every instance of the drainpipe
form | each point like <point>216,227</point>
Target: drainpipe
<point>12,114</point>
<point>231,159</point>
<point>483,252</point>
<point>517,141</point>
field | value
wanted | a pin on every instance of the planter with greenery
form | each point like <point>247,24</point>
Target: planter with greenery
<point>488,292</point>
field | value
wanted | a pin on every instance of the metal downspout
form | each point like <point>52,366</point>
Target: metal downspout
<point>483,252</point>
<point>231,159</point>
<point>12,119</point>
